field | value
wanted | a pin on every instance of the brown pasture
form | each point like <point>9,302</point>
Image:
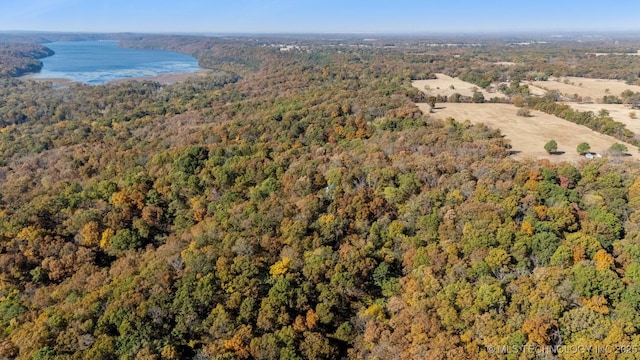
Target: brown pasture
<point>593,89</point>
<point>528,135</point>
<point>446,86</point>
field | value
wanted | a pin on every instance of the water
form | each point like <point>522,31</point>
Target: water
<point>98,62</point>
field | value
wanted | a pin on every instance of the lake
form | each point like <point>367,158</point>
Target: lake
<point>98,62</point>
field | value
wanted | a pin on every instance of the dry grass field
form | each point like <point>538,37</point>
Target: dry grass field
<point>618,112</point>
<point>528,135</point>
<point>446,86</point>
<point>591,88</point>
<point>505,63</point>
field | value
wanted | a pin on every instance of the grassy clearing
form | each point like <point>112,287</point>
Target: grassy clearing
<point>587,89</point>
<point>446,86</point>
<point>528,135</point>
<point>618,112</point>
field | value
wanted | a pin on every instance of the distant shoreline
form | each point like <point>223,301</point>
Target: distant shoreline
<point>165,79</point>
<point>57,82</point>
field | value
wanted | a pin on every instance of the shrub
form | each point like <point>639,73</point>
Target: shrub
<point>583,148</point>
<point>523,112</point>
<point>618,149</point>
<point>551,146</point>
<point>477,97</point>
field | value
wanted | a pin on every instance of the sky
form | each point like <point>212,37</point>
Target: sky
<point>319,16</point>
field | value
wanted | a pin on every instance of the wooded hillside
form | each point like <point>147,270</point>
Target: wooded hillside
<point>20,58</point>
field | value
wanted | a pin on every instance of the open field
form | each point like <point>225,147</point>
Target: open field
<point>592,88</point>
<point>616,54</point>
<point>442,86</point>
<point>529,134</point>
<point>618,112</point>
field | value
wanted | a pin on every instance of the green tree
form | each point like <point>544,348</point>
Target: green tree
<point>477,97</point>
<point>543,246</point>
<point>551,146</point>
<point>618,149</point>
<point>10,308</point>
<point>562,256</point>
<point>583,148</point>
<point>125,239</point>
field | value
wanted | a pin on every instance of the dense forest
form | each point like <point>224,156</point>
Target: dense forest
<point>20,58</point>
<point>298,205</point>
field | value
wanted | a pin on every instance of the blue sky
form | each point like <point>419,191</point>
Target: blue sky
<point>319,16</point>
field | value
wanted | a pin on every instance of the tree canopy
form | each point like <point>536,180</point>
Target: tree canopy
<point>298,205</point>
